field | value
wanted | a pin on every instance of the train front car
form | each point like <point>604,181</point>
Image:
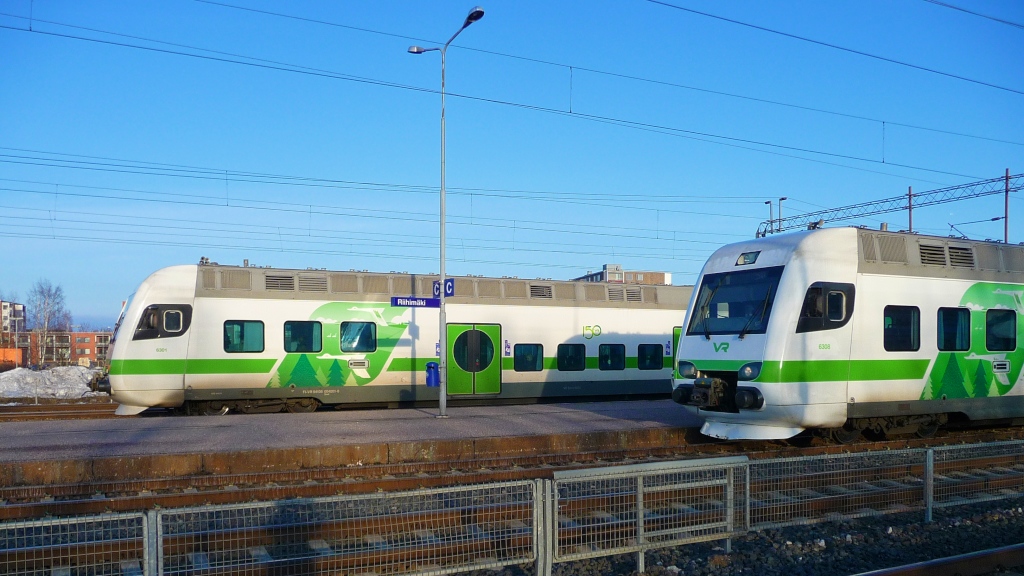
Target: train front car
<point>747,361</point>
<point>150,344</point>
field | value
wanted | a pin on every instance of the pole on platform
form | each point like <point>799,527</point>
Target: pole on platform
<point>910,208</point>
<point>1006,213</point>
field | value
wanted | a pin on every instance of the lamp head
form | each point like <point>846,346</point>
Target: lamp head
<point>416,50</point>
<point>474,15</point>
<point>783,198</point>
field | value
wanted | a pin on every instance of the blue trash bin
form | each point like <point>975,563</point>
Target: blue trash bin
<point>433,375</point>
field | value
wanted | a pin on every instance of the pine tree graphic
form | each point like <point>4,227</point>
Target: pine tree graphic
<point>334,376</point>
<point>303,373</point>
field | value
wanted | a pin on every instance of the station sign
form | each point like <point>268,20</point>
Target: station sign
<point>415,302</point>
<point>449,288</point>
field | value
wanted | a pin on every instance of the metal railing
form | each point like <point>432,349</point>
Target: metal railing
<point>577,515</point>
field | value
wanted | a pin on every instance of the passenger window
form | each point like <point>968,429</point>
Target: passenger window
<point>611,357</point>
<point>572,357</point>
<point>302,336</point>
<point>650,357</point>
<point>1001,330</point>
<point>954,329</point>
<point>358,336</point>
<point>901,329</point>
<point>243,336</point>
<point>172,321</point>
<point>529,357</point>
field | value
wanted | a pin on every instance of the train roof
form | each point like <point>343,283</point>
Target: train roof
<point>222,281</point>
<point>907,254</point>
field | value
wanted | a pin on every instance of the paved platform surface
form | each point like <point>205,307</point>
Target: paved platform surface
<point>150,446</point>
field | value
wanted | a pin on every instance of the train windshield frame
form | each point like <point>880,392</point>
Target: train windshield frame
<point>120,317</point>
<point>735,303</point>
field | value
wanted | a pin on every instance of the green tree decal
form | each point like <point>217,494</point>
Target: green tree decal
<point>981,387</point>
<point>275,380</point>
<point>953,379</point>
<point>334,376</point>
<point>303,373</point>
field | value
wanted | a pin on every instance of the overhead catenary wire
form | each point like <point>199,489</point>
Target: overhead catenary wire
<point>577,67</point>
<point>836,47</point>
<point>707,137</point>
<point>973,13</point>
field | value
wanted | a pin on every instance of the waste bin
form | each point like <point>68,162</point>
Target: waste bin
<point>433,375</point>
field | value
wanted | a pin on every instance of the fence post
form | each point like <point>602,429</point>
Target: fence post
<point>640,523</point>
<point>153,550</point>
<point>730,512</point>
<point>746,497</point>
<point>929,483</point>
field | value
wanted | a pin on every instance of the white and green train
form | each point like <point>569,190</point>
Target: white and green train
<point>850,330</point>
<point>210,338</point>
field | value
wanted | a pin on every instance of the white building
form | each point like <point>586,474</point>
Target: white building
<point>12,317</point>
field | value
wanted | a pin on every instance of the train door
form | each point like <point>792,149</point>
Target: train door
<point>474,366</point>
<point>677,332</point>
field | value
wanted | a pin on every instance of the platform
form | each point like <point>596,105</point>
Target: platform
<point>72,451</point>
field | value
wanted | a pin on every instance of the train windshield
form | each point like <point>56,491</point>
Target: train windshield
<point>735,302</point>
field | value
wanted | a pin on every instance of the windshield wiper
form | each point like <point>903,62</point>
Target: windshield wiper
<point>705,311</point>
<point>764,308</point>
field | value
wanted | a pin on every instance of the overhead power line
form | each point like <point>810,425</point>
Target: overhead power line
<point>894,204</point>
<point>836,47</point>
<point>946,5</point>
<point>707,137</point>
<point>578,68</point>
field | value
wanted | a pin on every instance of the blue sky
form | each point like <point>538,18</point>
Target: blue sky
<point>311,138</point>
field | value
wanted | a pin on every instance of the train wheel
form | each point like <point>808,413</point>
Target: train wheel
<point>213,409</point>
<point>927,430</point>
<point>845,435</point>
<point>301,405</point>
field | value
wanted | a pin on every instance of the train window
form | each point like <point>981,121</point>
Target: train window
<point>163,321</point>
<point>243,336</point>
<point>954,329</point>
<point>302,336</point>
<point>1001,330</point>
<point>358,336</point>
<point>611,357</point>
<point>827,306</point>
<point>836,306</point>
<point>901,330</point>
<point>529,357</point>
<point>572,357</point>
<point>172,321</point>
<point>650,357</point>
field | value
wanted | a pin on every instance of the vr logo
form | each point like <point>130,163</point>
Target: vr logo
<point>722,347</point>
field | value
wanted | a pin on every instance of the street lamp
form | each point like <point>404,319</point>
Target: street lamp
<point>474,15</point>
<point>780,211</point>
<point>771,216</point>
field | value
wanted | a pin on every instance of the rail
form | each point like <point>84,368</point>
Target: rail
<point>573,515</point>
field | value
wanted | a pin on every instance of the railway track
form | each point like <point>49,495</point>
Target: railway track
<point>416,539</point>
<point>981,563</point>
<point>77,411</point>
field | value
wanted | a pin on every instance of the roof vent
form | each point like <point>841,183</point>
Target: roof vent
<point>275,282</point>
<point>933,255</point>
<point>312,283</point>
<point>540,291</point>
<point>961,257</point>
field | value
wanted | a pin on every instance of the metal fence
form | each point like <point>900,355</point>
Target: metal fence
<point>577,515</point>
<point>85,545</point>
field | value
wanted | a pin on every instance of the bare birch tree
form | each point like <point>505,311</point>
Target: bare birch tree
<point>48,312</point>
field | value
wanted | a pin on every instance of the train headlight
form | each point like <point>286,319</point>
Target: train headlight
<point>686,369</point>
<point>749,371</point>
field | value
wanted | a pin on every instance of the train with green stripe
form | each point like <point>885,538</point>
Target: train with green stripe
<point>210,338</point>
<point>851,331</point>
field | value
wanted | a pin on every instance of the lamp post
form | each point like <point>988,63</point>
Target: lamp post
<point>442,337</point>
<point>780,211</point>
<point>771,216</point>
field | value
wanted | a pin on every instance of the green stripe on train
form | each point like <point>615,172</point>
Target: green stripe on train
<point>197,366</point>
<point>842,370</point>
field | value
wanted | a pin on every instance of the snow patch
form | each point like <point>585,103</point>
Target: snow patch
<point>62,382</point>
